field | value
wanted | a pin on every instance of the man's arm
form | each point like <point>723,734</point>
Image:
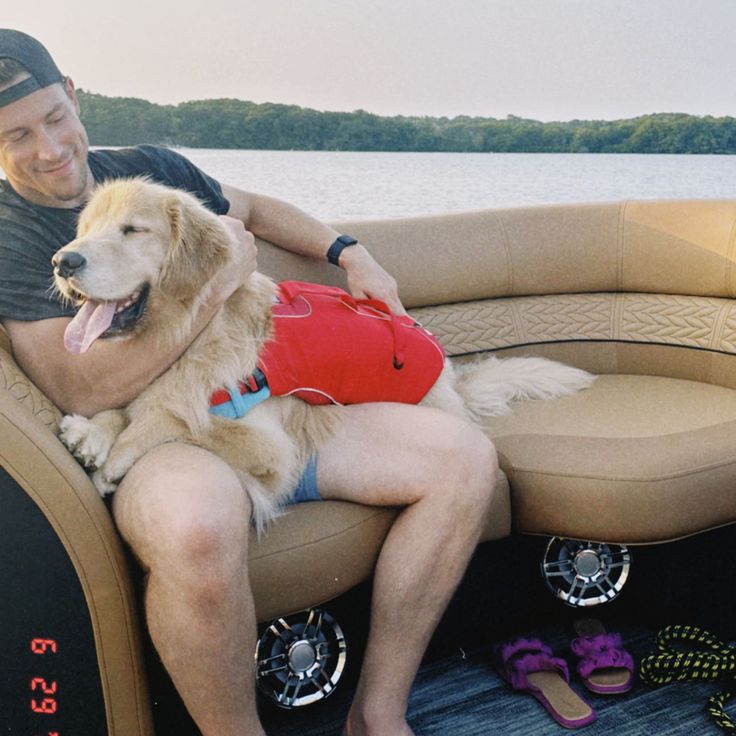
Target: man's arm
<point>114,371</point>
<point>109,375</point>
<point>292,229</point>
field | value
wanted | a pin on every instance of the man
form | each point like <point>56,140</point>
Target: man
<point>181,509</point>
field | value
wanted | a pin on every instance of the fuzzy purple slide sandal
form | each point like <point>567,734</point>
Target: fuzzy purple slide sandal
<point>605,667</point>
<point>529,666</point>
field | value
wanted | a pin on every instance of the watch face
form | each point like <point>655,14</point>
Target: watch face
<point>49,678</point>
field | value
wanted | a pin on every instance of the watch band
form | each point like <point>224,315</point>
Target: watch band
<point>342,242</point>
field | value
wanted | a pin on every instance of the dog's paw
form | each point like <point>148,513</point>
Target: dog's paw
<point>108,476</point>
<point>104,486</point>
<point>88,442</point>
<point>118,463</point>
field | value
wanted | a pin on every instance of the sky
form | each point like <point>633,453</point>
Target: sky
<point>540,59</point>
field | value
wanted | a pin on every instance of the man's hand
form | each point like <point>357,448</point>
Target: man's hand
<point>242,264</point>
<point>367,279</point>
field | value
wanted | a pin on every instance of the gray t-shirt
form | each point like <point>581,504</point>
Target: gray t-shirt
<point>30,234</point>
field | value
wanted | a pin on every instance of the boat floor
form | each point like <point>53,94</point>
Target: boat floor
<point>457,692</point>
<point>461,695</point>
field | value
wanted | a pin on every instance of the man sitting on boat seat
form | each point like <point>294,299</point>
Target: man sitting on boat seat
<point>182,510</point>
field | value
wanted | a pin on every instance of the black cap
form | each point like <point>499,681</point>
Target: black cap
<point>33,56</point>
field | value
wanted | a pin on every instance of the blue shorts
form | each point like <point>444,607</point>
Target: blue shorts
<point>306,489</point>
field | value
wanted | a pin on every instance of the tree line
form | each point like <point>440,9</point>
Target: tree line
<point>230,123</point>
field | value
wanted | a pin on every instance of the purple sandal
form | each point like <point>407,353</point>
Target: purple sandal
<point>529,666</point>
<point>605,667</point>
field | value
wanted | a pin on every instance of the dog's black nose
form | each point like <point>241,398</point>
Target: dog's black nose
<point>67,263</point>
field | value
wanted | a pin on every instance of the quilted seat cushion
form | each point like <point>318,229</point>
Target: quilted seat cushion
<point>633,459</point>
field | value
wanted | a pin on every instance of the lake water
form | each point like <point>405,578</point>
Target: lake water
<point>337,185</point>
<point>348,185</point>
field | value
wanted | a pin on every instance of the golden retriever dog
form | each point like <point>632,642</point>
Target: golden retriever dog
<point>141,263</point>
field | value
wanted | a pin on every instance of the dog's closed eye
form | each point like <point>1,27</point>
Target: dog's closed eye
<point>131,229</point>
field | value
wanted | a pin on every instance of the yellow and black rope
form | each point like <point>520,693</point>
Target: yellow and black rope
<point>716,708</point>
<point>688,653</point>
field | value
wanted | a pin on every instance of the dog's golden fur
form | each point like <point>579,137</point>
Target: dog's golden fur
<point>135,232</point>
<point>180,248</point>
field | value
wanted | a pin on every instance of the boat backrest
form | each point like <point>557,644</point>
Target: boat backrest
<point>660,247</point>
<point>611,287</point>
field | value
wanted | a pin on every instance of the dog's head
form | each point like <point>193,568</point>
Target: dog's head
<point>137,243</point>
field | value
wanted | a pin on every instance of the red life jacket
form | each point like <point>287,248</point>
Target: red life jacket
<point>328,347</point>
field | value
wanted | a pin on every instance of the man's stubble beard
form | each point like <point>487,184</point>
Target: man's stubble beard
<point>80,188</point>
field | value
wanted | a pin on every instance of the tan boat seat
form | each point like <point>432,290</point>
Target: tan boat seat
<point>632,459</point>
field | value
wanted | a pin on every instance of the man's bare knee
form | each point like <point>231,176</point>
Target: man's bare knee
<point>181,502</point>
<point>467,468</point>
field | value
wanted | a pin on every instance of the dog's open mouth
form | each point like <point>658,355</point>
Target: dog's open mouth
<point>104,319</point>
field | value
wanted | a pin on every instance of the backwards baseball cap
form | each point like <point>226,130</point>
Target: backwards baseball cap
<point>33,56</point>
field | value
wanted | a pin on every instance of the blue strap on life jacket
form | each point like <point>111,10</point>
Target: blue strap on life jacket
<point>240,404</point>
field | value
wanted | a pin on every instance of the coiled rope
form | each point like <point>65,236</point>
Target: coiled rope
<point>706,658</point>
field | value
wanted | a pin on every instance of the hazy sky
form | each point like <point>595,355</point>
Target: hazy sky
<point>543,59</point>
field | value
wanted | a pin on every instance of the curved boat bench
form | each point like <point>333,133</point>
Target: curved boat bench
<point>641,293</point>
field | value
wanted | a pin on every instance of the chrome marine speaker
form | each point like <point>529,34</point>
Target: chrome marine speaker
<point>585,573</point>
<point>300,658</point>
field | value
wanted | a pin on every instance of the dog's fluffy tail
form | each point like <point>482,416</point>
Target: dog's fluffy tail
<point>488,385</point>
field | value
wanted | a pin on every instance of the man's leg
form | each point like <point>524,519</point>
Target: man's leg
<point>187,518</point>
<point>443,471</point>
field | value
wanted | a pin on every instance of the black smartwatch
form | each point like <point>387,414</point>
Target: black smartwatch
<point>333,252</point>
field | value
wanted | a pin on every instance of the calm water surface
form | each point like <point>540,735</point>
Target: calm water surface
<point>347,185</point>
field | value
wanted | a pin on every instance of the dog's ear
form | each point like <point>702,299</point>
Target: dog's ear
<point>198,248</point>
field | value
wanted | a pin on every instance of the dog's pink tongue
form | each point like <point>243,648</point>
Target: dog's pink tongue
<point>88,324</point>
